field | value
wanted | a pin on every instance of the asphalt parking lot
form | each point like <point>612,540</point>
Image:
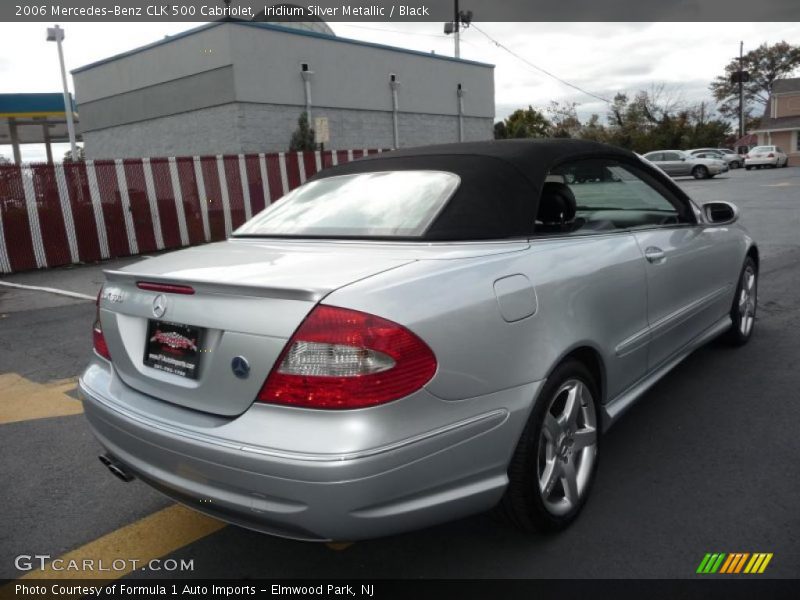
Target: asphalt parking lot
<point>706,462</point>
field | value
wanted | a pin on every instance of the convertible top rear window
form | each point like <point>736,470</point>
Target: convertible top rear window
<point>377,204</point>
<point>448,192</point>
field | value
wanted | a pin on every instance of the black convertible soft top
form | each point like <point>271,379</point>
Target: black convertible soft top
<point>501,180</point>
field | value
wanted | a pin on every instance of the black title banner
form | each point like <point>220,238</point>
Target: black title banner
<point>408,11</point>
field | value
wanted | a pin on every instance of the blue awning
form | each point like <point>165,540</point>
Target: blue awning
<point>26,106</point>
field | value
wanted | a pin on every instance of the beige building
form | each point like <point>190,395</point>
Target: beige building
<point>780,125</point>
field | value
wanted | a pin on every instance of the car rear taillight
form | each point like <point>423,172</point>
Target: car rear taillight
<point>341,358</point>
<point>770,155</point>
<point>98,339</point>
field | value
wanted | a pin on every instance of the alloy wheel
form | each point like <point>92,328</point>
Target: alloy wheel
<point>567,447</point>
<point>747,301</point>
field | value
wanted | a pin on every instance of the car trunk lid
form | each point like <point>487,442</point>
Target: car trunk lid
<point>211,346</point>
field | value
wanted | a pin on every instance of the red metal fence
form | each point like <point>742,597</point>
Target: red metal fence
<point>52,215</point>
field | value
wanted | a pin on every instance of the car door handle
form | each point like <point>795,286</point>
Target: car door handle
<point>655,255</point>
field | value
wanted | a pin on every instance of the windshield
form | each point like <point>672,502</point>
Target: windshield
<point>381,204</point>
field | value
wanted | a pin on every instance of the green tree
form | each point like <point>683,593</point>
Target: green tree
<point>654,119</point>
<point>594,130</point>
<point>500,132</point>
<point>522,123</point>
<point>68,155</point>
<point>765,64</point>
<point>708,130</point>
<point>303,136</point>
<point>564,121</point>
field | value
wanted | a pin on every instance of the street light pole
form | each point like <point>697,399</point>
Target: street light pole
<point>56,34</point>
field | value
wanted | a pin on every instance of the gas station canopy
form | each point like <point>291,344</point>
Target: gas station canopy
<point>34,119</point>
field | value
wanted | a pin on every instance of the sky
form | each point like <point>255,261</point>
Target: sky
<point>602,58</point>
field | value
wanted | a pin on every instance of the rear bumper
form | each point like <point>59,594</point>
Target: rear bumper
<point>756,162</point>
<point>448,471</point>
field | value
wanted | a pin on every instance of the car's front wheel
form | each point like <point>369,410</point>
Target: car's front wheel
<point>555,461</point>
<point>700,172</point>
<point>743,311</point>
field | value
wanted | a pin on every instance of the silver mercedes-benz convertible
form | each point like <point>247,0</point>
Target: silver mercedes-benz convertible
<point>414,337</point>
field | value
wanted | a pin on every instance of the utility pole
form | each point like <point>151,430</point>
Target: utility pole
<point>461,18</point>
<point>741,77</point>
<point>741,90</point>
<point>457,34</point>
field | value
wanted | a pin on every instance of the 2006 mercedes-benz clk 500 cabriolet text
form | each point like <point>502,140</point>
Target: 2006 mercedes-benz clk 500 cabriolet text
<point>414,337</point>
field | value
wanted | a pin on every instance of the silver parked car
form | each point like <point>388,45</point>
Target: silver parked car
<point>733,160</point>
<point>414,337</point>
<point>678,163</point>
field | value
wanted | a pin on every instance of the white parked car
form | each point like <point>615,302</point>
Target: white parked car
<point>765,156</point>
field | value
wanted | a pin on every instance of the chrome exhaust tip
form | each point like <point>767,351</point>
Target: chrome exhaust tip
<point>116,468</point>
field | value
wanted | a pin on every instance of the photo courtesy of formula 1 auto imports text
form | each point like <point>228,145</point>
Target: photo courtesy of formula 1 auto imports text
<point>385,300</point>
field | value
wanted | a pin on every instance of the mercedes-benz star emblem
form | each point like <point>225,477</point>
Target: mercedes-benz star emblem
<point>160,305</point>
<point>240,367</point>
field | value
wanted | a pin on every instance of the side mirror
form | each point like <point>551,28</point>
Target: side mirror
<point>720,213</point>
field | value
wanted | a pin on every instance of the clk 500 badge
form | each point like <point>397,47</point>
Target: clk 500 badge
<point>112,295</point>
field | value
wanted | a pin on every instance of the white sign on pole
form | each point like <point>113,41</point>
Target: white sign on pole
<point>322,134</point>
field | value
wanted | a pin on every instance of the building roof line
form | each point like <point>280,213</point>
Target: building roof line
<point>281,29</point>
<point>166,40</point>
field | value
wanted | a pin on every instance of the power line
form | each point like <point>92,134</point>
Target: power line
<point>538,68</point>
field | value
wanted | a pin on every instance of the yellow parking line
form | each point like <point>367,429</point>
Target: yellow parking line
<point>23,400</point>
<point>152,537</point>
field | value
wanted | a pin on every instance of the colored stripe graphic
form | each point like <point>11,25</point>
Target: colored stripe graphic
<point>732,558</point>
<point>703,563</point>
<point>740,563</point>
<point>734,562</point>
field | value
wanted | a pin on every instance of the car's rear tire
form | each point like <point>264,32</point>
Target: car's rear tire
<point>745,302</point>
<point>553,467</point>
<point>700,172</point>
<point>748,167</point>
